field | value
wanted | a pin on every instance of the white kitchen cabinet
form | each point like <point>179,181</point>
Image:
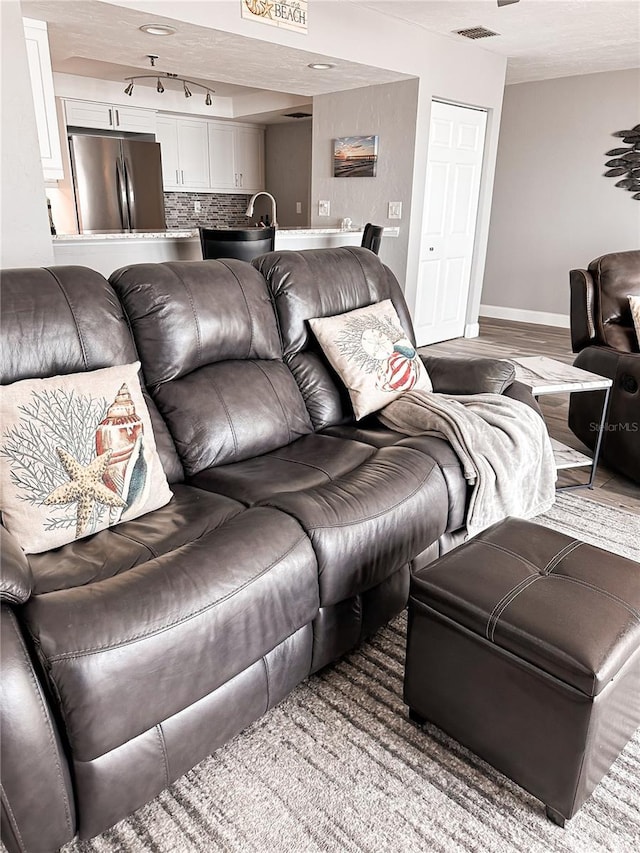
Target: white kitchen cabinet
<point>222,163</point>
<point>39,59</point>
<point>184,149</point>
<point>249,158</point>
<point>99,116</point>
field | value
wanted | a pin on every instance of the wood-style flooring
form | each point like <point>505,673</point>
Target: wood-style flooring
<point>503,338</point>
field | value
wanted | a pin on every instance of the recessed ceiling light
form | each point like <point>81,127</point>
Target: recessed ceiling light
<point>158,29</point>
<point>320,66</point>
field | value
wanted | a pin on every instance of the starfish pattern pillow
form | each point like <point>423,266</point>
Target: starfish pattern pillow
<point>370,352</point>
<point>634,304</point>
<point>77,455</point>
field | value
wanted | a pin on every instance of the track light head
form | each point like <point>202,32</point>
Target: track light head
<point>160,87</point>
<point>208,100</point>
<point>129,89</point>
<point>187,91</point>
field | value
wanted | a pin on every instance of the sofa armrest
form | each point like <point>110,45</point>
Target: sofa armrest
<point>583,323</point>
<point>15,573</point>
<point>460,375</point>
<point>38,813</point>
<point>518,391</point>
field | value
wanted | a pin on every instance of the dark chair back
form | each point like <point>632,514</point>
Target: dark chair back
<point>372,237</point>
<point>242,243</point>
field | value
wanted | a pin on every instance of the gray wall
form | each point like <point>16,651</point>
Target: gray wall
<point>288,170</point>
<point>552,208</point>
<point>390,112</point>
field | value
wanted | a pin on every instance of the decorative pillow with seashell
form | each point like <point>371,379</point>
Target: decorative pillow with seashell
<point>370,352</point>
<point>634,304</point>
<point>77,455</point>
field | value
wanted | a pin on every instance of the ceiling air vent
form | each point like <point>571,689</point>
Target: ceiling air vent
<point>297,115</point>
<point>476,33</point>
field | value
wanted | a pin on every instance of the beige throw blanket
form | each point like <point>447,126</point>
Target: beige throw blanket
<point>503,446</point>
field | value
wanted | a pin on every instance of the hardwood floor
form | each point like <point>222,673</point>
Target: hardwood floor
<point>503,338</point>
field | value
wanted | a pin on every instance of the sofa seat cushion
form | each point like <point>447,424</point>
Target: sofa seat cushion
<point>370,431</point>
<point>368,523</point>
<point>304,464</point>
<point>191,514</point>
<point>368,511</point>
<point>126,653</point>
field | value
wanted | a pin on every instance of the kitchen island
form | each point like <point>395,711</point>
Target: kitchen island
<point>108,252</point>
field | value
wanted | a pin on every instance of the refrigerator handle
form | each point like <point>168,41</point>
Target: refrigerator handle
<point>123,203</point>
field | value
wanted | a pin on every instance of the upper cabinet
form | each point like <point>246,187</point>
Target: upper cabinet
<point>249,158</point>
<point>185,153</point>
<point>222,158</point>
<point>109,117</point>
<point>234,155</point>
<point>39,59</point>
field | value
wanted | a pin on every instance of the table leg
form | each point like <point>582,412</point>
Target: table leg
<point>601,429</point>
<point>596,452</point>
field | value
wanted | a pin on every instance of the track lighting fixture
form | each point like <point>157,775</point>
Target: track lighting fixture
<point>166,75</point>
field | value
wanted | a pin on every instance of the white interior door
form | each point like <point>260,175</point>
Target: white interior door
<point>454,168</point>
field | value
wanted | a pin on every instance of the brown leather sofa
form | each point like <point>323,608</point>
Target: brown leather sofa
<point>129,656</point>
<point>603,335</point>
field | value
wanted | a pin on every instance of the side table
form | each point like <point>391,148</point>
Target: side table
<point>544,375</point>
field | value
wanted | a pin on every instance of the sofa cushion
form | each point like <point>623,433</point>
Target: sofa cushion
<point>367,511</point>
<point>306,463</point>
<point>211,354</point>
<point>128,652</point>
<point>371,354</point>
<point>370,431</point>
<point>77,455</point>
<point>190,515</point>
<point>323,283</point>
<point>65,320</point>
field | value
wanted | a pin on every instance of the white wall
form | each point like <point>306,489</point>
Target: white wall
<point>388,111</point>
<point>552,208</point>
<point>26,238</point>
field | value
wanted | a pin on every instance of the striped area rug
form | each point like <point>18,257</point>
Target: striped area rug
<point>338,768</point>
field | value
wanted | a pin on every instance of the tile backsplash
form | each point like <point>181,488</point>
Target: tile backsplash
<point>216,210</point>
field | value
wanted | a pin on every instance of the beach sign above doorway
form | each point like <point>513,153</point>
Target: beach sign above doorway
<point>287,14</point>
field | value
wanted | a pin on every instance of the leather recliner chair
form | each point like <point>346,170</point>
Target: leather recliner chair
<point>603,335</point>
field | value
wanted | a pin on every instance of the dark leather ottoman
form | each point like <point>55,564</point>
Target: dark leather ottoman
<point>524,645</point>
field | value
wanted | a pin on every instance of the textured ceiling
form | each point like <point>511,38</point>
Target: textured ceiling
<point>101,40</point>
<point>541,38</point>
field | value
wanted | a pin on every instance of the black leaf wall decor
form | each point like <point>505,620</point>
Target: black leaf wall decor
<point>626,161</point>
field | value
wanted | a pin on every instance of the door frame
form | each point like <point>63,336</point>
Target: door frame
<point>481,234</point>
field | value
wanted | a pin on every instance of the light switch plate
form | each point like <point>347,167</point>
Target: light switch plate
<point>324,208</point>
<point>395,210</point>
<point>298,207</point>
<point>197,206</point>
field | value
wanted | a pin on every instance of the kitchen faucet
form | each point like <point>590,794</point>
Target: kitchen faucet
<point>249,211</point>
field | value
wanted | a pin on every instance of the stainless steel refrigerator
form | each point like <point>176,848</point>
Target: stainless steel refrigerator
<point>117,183</point>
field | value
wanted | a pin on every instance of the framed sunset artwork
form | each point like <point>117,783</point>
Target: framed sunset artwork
<point>355,157</point>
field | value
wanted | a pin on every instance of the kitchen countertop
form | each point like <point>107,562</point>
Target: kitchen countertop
<point>186,234</point>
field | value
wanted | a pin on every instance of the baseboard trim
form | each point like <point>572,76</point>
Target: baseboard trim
<point>472,330</point>
<point>523,315</point>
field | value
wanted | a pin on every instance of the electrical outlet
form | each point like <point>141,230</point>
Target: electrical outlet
<point>324,208</point>
<point>395,210</point>
<point>298,207</point>
<point>197,206</point>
